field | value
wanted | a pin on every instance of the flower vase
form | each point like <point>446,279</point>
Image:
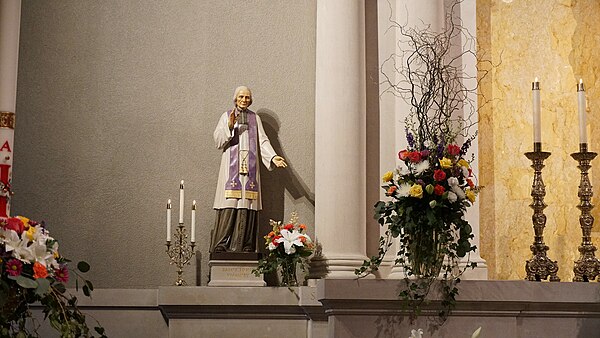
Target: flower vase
<point>424,254</point>
<point>288,273</point>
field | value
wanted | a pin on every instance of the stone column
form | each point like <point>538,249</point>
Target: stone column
<point>468,16</point>
<point>10,18</point>
<point>340,138</point>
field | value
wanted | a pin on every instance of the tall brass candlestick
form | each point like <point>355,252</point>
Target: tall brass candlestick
<point>539,266</point>
<point>588,266</point>
<point>181,253</point>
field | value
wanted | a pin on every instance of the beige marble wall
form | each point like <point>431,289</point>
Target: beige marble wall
<point>554,40</point>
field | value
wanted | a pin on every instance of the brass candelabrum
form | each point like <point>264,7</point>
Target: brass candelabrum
<point>539,266</point>
<point>588,266</point>
<point>181,253</point>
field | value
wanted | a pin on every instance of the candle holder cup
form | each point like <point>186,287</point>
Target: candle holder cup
<point>181,253</point>
<point>587,267</point>
<point>539,267</point>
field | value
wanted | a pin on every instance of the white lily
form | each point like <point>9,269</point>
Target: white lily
<point>289,239</point>
<point>41,254</point>
<point>12,242</point>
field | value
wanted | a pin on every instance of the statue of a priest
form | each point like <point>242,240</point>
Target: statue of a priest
<point>241,137</point>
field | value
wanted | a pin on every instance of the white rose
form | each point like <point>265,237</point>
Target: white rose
<point>452,197</point>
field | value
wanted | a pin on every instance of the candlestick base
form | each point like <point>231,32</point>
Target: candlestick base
<point>539,267</point>
<point>181,253</point>
<point>587,267</point>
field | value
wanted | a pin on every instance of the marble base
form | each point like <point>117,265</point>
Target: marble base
<point>234,273</point>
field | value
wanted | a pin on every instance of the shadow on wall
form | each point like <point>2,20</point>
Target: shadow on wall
<point>274,183</point>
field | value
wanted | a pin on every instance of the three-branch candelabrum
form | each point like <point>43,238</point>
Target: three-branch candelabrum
<point>539,266</point>
<point>587,267</point>
<point>181,252</point>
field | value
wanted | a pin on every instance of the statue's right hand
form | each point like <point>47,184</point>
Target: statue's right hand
<point>231,121</point>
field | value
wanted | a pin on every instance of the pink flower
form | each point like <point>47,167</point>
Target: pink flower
<point>61,274</point>
<point>14,267</point>
<point>453,149</point>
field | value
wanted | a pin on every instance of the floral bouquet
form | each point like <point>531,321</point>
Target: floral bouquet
<point>288,247</point>
<point>33,271</point>
<point>428,196</point>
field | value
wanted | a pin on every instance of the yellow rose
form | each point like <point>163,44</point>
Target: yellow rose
<point>416,191</point>
<point>463,163</point>
<point>388,176</point>
<point>446,163</point>
<point>470,195</point>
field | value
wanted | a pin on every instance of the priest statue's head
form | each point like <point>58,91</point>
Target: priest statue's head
<point>242,97</point>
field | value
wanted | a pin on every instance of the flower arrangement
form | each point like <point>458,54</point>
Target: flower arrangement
<point>430,191</point>
<point>32,270</point>
<point>289,246</point>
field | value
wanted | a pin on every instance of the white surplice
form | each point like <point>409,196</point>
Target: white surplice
<point>222,136</point>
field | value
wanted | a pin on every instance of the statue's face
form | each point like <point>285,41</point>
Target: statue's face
<point>243,99</point>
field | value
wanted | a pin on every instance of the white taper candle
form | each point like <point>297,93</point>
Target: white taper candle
<point>181,203</point>
<point>193,230</point>
<point>582,112</point>
<point>537,112</point>
<point>168,220</point>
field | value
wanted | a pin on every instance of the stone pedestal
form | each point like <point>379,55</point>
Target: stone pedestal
<point>234,269</point>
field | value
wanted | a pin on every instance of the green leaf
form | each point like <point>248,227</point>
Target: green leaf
<point>26,282</point>
<point>43,286</point>
<point>83,266</point>
<point>86,290</point>
<point>89,285</point>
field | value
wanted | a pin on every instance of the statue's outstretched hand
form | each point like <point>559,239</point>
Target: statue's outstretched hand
<point>279,162</point>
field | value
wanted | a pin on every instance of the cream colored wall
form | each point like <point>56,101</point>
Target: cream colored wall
<point>557,41</point>
<point>117,102</point>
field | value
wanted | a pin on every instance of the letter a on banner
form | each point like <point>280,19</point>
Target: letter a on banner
<point>7,133</point>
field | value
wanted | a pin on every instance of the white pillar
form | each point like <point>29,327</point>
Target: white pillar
<point>468,15</point>
<point>10,19</point>
<point>340,222</point>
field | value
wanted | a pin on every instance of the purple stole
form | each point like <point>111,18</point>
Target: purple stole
<point>233,186</point>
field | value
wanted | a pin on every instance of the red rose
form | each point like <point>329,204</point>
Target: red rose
<point>438,190</point>
<point>15,224</point>
<point>288,227</point>
<point>439,175</point>
<point>453,149</point>
<point>414,156</point>
<point>403,155</point>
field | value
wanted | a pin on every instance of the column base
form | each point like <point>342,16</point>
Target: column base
<point>336,267</point>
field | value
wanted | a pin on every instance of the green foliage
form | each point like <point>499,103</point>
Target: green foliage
<point>18,293</point>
